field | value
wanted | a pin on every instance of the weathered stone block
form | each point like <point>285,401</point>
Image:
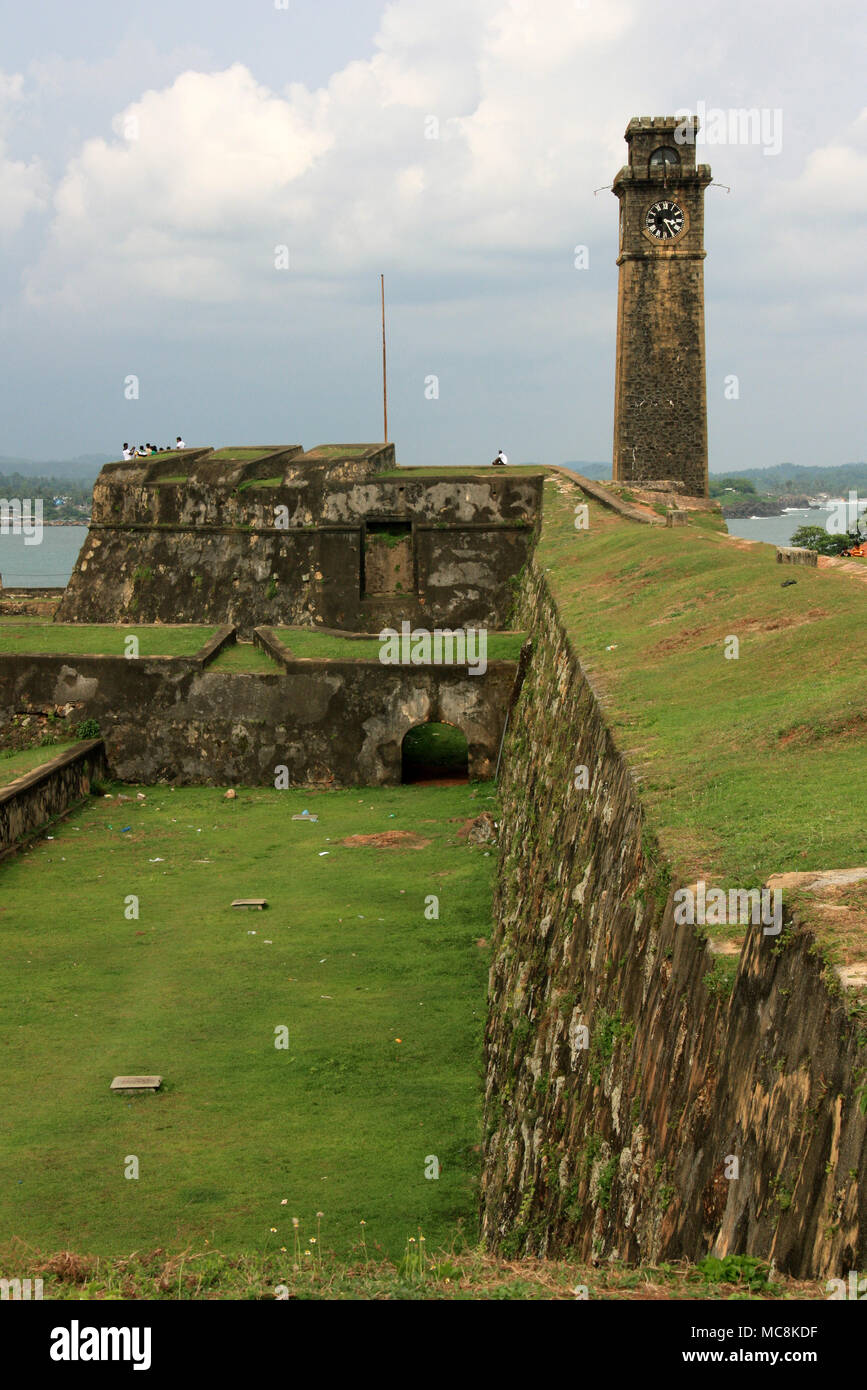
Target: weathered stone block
<point>796,555</point>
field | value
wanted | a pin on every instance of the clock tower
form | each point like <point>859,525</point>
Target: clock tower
<point>660,407</point>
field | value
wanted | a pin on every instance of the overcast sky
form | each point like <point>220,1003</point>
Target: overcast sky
<point>153,156</point>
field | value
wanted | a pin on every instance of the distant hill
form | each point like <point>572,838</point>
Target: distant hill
<point>84,468</point>
<point>799,478</point>
<point>594,471</point>
<point>63,499</point>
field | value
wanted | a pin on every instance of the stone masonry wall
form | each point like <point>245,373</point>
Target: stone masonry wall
<point>619,1148</point>
<point>33,800</point>
<point>207,551</point>
<point>334,723</point>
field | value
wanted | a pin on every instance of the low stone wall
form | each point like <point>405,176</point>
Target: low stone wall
<point>607,498</point>
<point>618,1141</point>
<point>796,555</point>
<point>330,723</point>
<point>38,797</point>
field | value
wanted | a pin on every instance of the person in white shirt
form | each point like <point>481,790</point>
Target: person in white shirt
<point>127,452</point>
<point>179,443</point>
<point>500,459</point>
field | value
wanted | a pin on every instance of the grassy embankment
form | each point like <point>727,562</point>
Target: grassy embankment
<point>306,642</point>
<point>520,470</point>
<point>35,638</point>
<point>243,656</point>
<point>15,763</point>
<point>384,1011</point>
<point>100,639</point>
<point>749,766</point>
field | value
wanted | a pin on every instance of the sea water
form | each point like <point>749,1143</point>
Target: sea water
<point>47,565</point>
<point>776,530</point>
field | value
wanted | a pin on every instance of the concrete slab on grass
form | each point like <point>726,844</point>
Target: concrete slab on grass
<point>128,1084</point>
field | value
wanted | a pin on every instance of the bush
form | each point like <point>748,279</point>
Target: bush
<point>817,538</point>
<point>88,728</point>
<point>737,1269</point>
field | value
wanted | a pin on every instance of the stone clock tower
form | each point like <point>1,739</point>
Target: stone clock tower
<point>660,408</point>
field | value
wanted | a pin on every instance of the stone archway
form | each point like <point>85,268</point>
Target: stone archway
<point>432,752</point>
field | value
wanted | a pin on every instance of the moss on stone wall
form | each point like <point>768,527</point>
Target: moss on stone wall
<point>613,1141</point>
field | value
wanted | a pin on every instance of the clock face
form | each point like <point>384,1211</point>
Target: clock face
<point>664,220</point>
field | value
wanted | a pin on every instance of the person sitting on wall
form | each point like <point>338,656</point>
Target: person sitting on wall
<point>179,443</point>
<point>142,451</point>
<point>499,460</point>
<point>128,452</point>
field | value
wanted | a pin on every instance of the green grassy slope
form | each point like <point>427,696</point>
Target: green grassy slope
<point>14,764</point>
<point>307,643</point>
<point>750,766</point>
<point>243,656</point>
<point>101,639</point>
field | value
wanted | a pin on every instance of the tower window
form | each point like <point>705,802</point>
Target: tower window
<point>665,158</point>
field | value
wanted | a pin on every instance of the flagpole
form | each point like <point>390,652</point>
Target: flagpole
<point>384,385</point>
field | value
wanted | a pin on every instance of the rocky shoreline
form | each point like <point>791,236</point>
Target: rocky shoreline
<point>751,505</point>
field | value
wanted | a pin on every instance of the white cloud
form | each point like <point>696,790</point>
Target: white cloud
<point>221,168</point>
<point>818,223</point>
<point>531,102</point>
<point>160,208</point>
<point>25,187</point>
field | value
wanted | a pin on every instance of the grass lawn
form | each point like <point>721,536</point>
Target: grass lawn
<point>749,766</point>
<point>525,470</point>
<point>94,639</point>
<point>307,643</point>
<point>244,455</point>
<point>14,764</point>
<point>384,1011</point>
<point>243,656</point>
<point>261,482</point>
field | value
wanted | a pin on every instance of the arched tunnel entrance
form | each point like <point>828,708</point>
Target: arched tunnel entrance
<point>434,753</point>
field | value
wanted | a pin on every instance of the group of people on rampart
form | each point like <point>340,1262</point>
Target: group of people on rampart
<point>144,450</point>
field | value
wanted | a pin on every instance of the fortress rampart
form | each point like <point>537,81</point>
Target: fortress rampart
<point>614,1143</point>
<point>287,538</point>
